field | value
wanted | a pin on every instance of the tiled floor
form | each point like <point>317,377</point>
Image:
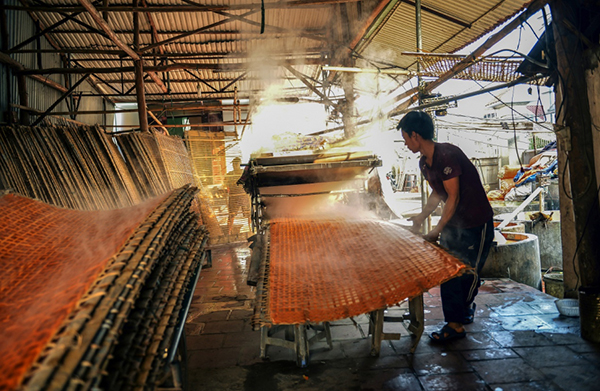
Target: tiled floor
<point>517,342</point>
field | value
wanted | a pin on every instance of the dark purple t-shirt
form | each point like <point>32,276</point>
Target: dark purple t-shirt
<point>449,162</point>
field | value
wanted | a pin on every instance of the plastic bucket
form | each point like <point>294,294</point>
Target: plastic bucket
<point>589,313</point>
<point>553,284</point>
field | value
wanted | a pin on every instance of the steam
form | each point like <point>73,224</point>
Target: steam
<point>273,122</point>
<point>321,200</point>
<point>281,127</point>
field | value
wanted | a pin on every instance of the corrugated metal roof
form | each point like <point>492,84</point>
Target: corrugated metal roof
<point>292,32</point>
<point>463,22</point>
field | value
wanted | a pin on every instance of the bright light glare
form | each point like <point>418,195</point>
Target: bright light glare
<point>276,119</point>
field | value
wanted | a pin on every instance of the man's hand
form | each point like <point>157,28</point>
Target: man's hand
<point>432,236</point>
<point>417,223</point>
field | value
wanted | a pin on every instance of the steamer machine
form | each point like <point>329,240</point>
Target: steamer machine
<point>288,187</point>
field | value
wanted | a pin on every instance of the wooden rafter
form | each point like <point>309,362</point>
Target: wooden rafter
<point>240,77</point>
<point>177,32</point>
<point>182,8</point>
<point>95,15</point>
<point>201,80</point>
<point>187,34</point>
<point>43,32</point>
<point>171,55</point>
<point>271,28</point>
<point>311,87</point>
<point>535,6</point>
<point>241,66</point>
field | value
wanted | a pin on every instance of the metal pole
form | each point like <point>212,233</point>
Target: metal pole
<point>424,192</point>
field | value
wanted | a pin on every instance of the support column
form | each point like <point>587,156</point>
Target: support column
<point>141,96</point>
<point>579,204</point>
<point>139,73</point>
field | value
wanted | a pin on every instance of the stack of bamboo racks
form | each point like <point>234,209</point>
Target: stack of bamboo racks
<point>73,167</point>
<point>137,303</point>
<point>81,167</point>
<point>123,332</point>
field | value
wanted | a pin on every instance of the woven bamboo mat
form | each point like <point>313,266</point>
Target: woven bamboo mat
<point>323,270</point>
<point>49,257</point>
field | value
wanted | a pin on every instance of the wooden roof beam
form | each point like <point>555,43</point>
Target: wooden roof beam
<point>270,27</point>
<point>469,60</point>
<point>311,87</point>
<point>368,23</point>
<point>171,56</point>
<point>152,27</point>
<point>43,32</point>
<point>18,67</point>
<point>95,15</point>
<point>199,80</point>
<point>54,85</point>
<point>177,32</point>
<point>242,66</point>
<point>187,34</point>
<point>183,8</point>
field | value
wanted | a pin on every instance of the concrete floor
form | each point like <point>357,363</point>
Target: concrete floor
<point>517,342</point>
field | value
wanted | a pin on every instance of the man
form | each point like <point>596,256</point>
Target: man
<point>237,197</point>
<point>465,228</point>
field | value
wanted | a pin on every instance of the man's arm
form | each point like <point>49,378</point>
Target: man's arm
<point>432,202</point>
<point>452,188</point>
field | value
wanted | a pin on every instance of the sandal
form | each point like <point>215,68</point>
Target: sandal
<point>446,334</point>
<point>470,315</point>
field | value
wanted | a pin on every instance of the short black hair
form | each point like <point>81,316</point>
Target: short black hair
<point>418,122</point>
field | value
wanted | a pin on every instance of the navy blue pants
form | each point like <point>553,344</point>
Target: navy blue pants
<point>471,246</point>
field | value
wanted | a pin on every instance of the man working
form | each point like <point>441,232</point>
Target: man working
<point>465,228</point>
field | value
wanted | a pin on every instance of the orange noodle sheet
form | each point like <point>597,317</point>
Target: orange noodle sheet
<point>49,258</point>
<point>323,270</point>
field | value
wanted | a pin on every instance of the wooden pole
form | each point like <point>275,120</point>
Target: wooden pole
<point>348,107</point>
<point>151,114</point>
<point>139,74</point>
<point>113,37</point>
<point>141,97</point>
<point>579,207</point>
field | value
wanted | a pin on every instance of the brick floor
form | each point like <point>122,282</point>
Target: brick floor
<point>517,342</point>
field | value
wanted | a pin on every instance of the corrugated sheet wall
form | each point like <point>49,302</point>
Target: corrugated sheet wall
<point>20,28</point>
